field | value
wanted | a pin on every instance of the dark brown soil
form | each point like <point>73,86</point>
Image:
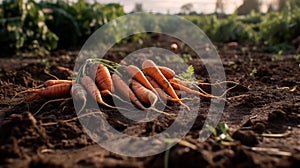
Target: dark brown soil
<point>267,101</point>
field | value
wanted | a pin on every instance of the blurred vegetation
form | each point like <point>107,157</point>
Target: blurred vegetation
<point>275,30</point>
<point>27,26</point>
<point>23,28</point>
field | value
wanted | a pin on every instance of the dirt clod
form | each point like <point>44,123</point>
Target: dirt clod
<point>248,138</point>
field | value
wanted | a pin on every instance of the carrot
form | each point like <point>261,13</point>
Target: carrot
<point>138,75</point>
<point>61,68</point>
<point>151,69</point>
<point>79,94</point>
<point>103,78</point>
<point>52,82</point>
<point>34,96</point>
<point>145,95</point>
<point>161,93</point>
<point>124,89</point>
<point>105,85</point>
<point>54,91</point>
<point>105,93</point>
<point>167,72</point>
<point>178,86</point>
<point>92,89</point>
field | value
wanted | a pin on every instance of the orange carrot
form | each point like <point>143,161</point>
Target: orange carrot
<point>103,78</point>
<point>34,96</point>
<point>92,89</point>
<point>105,93</point>
<point>145,95</point>
<point>61,68</point>
<point>138,75</point>
<point>124,89</point>
<point>178,86</point>
<point>54,91</point>
<point>167,72</point>
<point>52,82</point>
<point>151,69</point>
<point>161,93</point>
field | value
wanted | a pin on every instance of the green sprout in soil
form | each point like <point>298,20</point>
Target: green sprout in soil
<point>167,153</point>
<point>221,133</point>
<point>297,57</point>
<point>188,74</point>
<point>253,72</point>
<point>233,64</point>
<point>278,56</point>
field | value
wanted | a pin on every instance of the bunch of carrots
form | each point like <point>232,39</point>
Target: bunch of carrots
<point>142,87</point>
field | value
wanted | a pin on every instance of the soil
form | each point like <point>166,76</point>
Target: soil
<point>266,101</point>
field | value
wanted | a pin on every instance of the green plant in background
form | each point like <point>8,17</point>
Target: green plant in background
<point>44,25</point>
<point>23,28</point>
<point>252,18</point>
<point>276,29</point>
<point>208,23</point>
<point>38,26</point>
<point>279,29</point>
<point>75,22</point>
<point>232,29</point>
<point>62,23</point>
<point>38,36</point>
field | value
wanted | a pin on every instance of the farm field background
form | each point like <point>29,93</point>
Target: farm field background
<point>260,126</point>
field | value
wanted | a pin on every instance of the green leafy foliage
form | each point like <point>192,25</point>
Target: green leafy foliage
<point>252,18</point>
<point>297,57</point>
<point>188,74</point>
<point>62,24</point>
<point>208,23</point>
<point>74,22</point>
<point>253,72</point>
<point>221,133</point>
<point>278,30</point>
<point>23,28</point>
<point>44,25</point>
<point>38,36</point>
<point>31,26</point>
<point>233,30</point>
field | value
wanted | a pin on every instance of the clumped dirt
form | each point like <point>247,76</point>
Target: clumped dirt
<point>267,101</point>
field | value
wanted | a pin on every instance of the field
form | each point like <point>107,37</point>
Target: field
<point>265,103</point>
